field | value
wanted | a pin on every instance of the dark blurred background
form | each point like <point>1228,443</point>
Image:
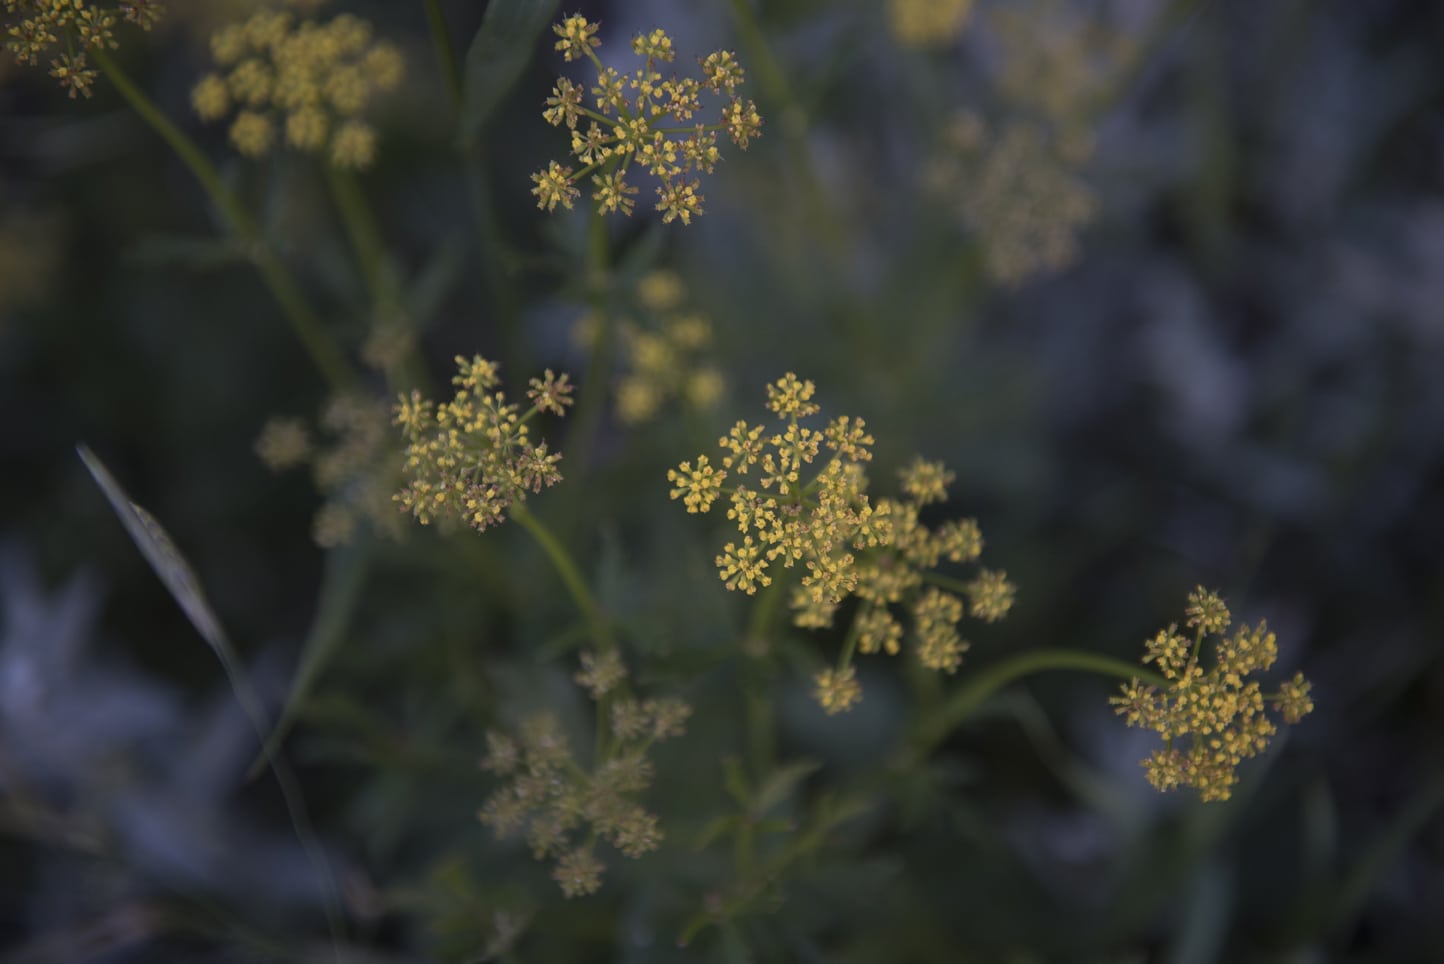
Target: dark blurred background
<point>1228,376</point>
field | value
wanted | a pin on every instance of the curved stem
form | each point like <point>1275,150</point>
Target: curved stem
<point>967,698</point>
<point>561,560</point>
<point>325,353</point>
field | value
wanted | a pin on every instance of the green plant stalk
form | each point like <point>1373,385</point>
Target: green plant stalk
<point>966,699</point>
<point>495,269</point>
<point>793,123</point>
<point>757,684</point>
<point>365,236</point>
<point>592,400</point>
<point>318,343</point>
<point>445,55</point>
<point>364,233</point>
<point>566,568</point>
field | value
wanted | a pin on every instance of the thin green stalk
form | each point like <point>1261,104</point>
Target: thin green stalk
<point>793,121</point>
<point>381,287</point>
<point>318,343</point>
<point>571,576</point>
<point>592,400</point>
<point>364,233</point>
<point>966,699</point>
<point>757,683</point>
<point>445,54</point>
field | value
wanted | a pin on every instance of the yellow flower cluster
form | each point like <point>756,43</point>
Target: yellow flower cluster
<point>640,119</point>
<point>312,79</point>
<point>1216,705</point>
<point>661,355</point>
<point>1018,191</point>
<point>469,459</point>
<point>357,471</point>
<point>927,23</point>
<point>879,552</point>
<point>35,28</point>
<point>561,808</point>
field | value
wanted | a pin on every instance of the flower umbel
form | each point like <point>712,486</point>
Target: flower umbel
<point>564,809</point>
<point>1209,699</point>
<point>469,459</point>
<point>663,352</point>
<point>813,513</point>
<point>640,120</point>
<point>304,81</point>
<point>928,23</point>
<point>63,30</point>
<point>355,464</point>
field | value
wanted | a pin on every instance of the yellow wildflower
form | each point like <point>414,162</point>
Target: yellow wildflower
<point>641,120</point>
<point>1213,703</point>
<point>313,79</point>
<point>469,459</point>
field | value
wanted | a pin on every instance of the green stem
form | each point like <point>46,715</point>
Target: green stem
<point>387,303</point>
<point>445,54</point>
<point>793,121</point>
<point>966,699</point>
<point>757,682</point>
<point>325,353</point>
<point>592,400</point>
<point>364,233</point>
<point>561,560</point>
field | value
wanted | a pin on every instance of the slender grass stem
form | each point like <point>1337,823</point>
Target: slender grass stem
<point>315,339</point>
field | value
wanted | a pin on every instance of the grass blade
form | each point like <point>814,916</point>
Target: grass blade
<point>180,580</point>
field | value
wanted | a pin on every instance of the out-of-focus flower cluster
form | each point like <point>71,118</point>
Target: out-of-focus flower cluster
<point>663,354</point>
<point>469,459</point>
<point>1210,698</point>
<point>61,31</point>
<point>1017,185</point>
<point>313,80</point>
<point>561,808</point>
<point>879,551</point>
<point>640,119</point>
<point>928,23</point>
<point>1017,190</point>
<point>1055,63</point>
<point>357,468</point>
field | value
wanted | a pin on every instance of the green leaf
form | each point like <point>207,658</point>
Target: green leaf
<point>498,54</point>
<point>716,828</point>
<point>340,591</point>
<point>735,780</point>
<point>780,783</point>
<point>435,281</point>
<point>178,577</point>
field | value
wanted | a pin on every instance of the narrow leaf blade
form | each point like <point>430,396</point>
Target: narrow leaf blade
<point>161,552</point>
<point>498,54</point>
